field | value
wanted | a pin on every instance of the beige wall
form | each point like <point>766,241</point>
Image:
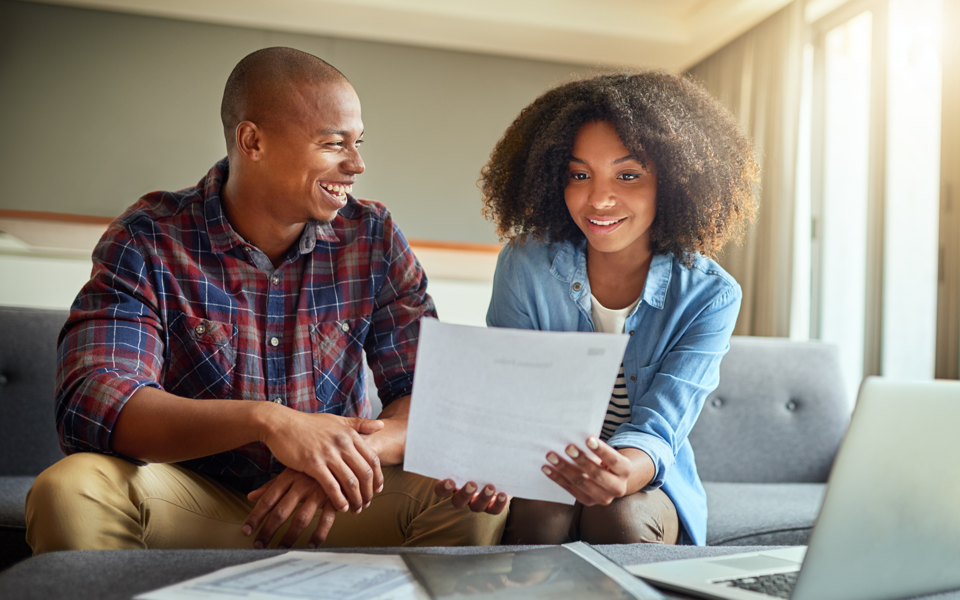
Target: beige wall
<point>97,108</point>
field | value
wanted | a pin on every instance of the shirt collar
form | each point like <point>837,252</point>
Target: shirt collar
<point>570,266</point>
<point>222,235</point>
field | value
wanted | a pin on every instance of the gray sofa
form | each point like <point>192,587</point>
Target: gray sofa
<point>764,442</point>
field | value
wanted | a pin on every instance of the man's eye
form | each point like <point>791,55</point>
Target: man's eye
<point>358,142</point>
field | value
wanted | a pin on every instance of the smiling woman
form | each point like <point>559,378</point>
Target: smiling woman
<point>614,192</point>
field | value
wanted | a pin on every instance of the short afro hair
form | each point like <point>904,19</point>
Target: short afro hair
<point>258,87</point>
<point>707,175</point>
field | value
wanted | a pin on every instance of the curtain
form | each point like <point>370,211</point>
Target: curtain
<point>758,76</point>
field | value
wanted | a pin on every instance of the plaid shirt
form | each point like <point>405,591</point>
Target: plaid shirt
<point>179,301</point>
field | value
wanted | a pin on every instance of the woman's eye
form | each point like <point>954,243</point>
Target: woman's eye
<point>630,176</point>
<point>578,176</point>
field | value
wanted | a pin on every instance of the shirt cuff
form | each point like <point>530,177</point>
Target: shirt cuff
<point>659,451</point>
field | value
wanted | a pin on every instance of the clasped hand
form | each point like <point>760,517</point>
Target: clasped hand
<point>330,468</point>
<point>593,478</point>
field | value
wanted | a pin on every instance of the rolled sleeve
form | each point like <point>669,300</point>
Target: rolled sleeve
<point>109,348</point>
<point>400,303</point>
<point>662,417</point>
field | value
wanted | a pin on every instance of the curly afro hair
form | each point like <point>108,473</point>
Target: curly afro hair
<point>707,177</point>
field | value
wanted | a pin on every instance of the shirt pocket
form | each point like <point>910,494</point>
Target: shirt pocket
<point>201,358</point>
<point>639,382</point>
<point>338,363</point>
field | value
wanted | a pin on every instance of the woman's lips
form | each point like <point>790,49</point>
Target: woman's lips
<point>605,225</point>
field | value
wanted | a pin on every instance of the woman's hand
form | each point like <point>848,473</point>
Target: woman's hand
<point>486,500</point>
<point>602,478</point>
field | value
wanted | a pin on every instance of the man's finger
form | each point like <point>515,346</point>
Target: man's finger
<point>268,500</point>
<point>365,426</point>
<point>373,460</point>
<point>363,473</point>
<point>278,516</point>
<point>327,515</point>
<point>260,491</point>
<point>301,519</point>
<point>331,487</point>
<point>349,483</point>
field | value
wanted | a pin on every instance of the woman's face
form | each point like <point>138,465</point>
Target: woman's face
<point>609,193</point>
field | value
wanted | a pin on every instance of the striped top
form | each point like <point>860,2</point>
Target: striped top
<point>606,320</point>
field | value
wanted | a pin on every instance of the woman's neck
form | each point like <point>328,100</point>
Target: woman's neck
<point>617,278</point>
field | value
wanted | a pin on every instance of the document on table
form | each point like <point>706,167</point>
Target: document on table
<point>302,576</point>
<point>489,403</point>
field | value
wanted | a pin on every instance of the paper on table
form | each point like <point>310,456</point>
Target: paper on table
<point>488,404</point>
<point>302,576</point>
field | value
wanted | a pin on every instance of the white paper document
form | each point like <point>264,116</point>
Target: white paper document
<point>488,404</point>
<point>303,576</point>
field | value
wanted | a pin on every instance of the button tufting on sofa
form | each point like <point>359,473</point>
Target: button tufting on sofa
<point>763,461</point>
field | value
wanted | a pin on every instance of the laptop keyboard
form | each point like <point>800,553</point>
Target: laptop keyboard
<point>778,585</point>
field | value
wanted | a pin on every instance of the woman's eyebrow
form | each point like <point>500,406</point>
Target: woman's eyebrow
<point>626,158</point>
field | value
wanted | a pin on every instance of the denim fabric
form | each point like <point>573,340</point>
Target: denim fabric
<point>679,331</point>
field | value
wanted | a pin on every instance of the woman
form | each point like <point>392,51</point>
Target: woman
<point>613,193</point>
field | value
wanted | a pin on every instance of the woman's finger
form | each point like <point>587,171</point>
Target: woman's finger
<point>464,495</point>
<point>482,501</point>
<point>445,488</point>
<point>611,458</point>
<point>499,504</point>
<point>572,478</point>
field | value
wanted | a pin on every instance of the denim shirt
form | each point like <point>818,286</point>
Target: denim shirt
<point>679,331</point>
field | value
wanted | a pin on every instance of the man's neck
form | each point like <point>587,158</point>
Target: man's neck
<point>244,209</point>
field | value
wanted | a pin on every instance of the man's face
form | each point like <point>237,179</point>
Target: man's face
<point>312,157</point>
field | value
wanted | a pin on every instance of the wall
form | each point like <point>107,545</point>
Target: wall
<point>98,108</point>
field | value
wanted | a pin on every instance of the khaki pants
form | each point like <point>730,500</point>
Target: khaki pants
<point>89,501</point>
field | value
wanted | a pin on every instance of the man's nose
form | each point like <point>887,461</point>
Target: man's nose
<point>354,164</point>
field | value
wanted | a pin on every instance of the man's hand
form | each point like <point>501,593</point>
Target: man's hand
<point>277,500</point>
<point>485,501</point>
<point>600,478</point>
<point>390,442</point>
<point>332,451</point>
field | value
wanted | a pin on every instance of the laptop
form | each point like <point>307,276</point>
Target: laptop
<point>889,526</point>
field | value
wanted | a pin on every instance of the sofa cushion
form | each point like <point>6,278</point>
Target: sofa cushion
<point>13,525</point>
<point>28,364</point>
<point>761,514</point>
<point>777,416</point>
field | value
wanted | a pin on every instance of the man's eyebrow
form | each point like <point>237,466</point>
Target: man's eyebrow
<point>338,132</point>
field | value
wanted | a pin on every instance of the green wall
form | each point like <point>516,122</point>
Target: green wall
<point>97,108</point>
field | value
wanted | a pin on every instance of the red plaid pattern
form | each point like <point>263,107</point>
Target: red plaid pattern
<point>177,301</point>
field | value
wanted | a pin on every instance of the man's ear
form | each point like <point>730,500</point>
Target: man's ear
<point>249,140</point>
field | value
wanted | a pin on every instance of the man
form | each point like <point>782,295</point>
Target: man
<point>210,390</point>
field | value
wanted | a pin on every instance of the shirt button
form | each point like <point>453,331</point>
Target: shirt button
<point>200,329</point>
<point>633,378</point>
<point>275,280</point>
<point>344,327</point>
<point>278,400</point>
<point>631,332</point>
<point>577,286</point>
<point>247,249</point>
<point>274,342</point>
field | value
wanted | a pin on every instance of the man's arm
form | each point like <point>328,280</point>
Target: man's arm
<point>156,426</point>
<point>390,442</point>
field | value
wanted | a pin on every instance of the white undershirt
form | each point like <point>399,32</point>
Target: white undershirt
<point>606,320</point>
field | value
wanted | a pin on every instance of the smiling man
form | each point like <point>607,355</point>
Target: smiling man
<point>210,391</point>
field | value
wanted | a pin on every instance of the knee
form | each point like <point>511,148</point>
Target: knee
<point>643,517</point>
<point>57,499</point>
